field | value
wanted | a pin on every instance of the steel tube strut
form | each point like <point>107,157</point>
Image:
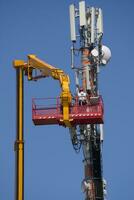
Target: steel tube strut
<point>19,143</point>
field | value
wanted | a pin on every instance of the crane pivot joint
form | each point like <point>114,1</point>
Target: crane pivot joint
<point>18,63</point>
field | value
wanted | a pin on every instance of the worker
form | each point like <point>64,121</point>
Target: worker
<point>87,187</point>
<point>82,97</point>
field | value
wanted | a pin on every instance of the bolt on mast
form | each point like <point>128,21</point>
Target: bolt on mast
<point>87,41</point>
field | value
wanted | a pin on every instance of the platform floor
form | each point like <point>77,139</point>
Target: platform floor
<point>78,115</point>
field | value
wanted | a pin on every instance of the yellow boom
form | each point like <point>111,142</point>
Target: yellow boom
<point>47,70</point>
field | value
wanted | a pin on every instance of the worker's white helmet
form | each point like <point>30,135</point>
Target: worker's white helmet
<point>81,89</point>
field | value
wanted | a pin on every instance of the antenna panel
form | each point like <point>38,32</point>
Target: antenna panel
<point>92,25</point>
<point>72,22</point>
<point>100,22</point>
<point>82,13</point>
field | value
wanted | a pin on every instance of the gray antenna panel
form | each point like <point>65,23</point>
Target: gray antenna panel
<point>100,22</point>
<point>72,22</point>
<point>82,13</point>
<point>92,25</point>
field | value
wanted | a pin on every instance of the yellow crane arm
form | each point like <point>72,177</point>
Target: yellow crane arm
<point>47,70</point>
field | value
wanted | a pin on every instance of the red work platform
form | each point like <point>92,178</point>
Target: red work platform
<point>44,114</point>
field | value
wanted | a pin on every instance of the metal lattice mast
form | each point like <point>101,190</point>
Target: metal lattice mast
<point>87,40</point>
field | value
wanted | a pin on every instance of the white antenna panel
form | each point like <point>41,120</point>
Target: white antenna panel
<point>82,13</point>
<point>72,22</point>
<point>92,25</point>
<point>100,22</point>
<point>101,132</point>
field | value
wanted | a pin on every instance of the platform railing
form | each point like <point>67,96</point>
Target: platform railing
<point>52,106</point>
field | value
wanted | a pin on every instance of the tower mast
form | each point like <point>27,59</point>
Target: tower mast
<point>87,40</point>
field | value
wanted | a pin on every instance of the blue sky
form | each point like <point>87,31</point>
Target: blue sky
<point>52,169</point>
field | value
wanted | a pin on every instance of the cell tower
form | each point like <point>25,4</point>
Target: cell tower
<point>86,26</point>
